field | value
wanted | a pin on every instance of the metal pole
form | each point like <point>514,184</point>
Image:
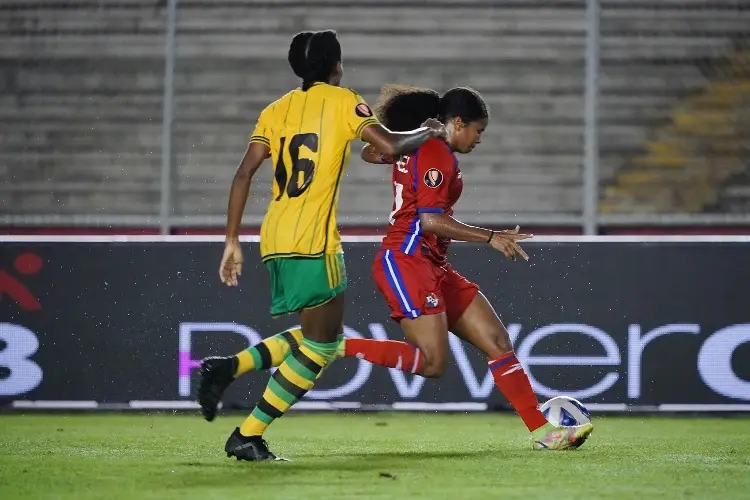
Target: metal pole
<point>165,211</point>
<point>591,128</point>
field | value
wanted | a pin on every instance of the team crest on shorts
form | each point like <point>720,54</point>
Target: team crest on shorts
<point>433,178</point>
<point>363,110</point>
<point>432,301</point>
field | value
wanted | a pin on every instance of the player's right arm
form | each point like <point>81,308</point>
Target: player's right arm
<point>258,149</point>
<point>435,169</point>
<point>254,155</point>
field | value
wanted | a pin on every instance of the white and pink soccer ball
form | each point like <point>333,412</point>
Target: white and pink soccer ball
<point>565,411</point>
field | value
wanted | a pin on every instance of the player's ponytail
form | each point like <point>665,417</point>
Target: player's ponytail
<point>313,56</point>
<point>401,108</point>
<point>297,49</point>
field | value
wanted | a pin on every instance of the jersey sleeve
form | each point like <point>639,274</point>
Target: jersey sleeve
<point>434,168</point>
<point>357,115</point>
<point>263,131</point>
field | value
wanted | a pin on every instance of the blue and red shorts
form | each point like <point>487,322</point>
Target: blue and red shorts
<point>413,286</point>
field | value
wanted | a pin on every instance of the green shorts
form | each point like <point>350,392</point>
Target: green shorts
<point>299,283</point>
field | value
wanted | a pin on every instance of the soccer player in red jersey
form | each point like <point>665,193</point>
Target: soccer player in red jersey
<point>427,297</point>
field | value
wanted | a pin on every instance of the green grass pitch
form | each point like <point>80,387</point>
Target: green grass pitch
<point>383,456</point>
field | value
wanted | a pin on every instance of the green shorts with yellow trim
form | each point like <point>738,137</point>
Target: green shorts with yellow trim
<point>299,283</point>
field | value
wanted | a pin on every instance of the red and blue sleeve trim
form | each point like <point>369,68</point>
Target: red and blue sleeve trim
<point>411,242</point>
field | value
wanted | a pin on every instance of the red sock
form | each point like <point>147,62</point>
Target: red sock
<point>388,353</point>
<point>513,382</point>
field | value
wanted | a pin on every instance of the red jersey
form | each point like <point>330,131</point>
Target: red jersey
<point>427,181</point>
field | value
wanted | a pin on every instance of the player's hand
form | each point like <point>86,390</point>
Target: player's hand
<point>507,243</point>
<point>231,263</point>
<point>437,126</point>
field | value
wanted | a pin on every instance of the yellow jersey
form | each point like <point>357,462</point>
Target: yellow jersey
<point>308,134</point>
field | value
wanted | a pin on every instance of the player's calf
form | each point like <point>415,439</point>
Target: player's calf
<point>269,353</point>
<point>498,343</point>
<point>429,333</point>
<point>387,353</point>
<point>425,355</point>
<point>434,366</point>
<point>217,373</point>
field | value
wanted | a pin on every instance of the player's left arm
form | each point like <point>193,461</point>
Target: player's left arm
<point>445,226</point>
<point>362,124</point>
<point>435,170</point>
<point>358,115</point>
<point>399,143</point>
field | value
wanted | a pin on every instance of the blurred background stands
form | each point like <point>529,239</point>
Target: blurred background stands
<point>82,86</point>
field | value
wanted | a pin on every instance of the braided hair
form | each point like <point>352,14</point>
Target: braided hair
<point>313,56</point>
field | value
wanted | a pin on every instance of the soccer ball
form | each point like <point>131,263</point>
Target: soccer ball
<point>565,411</point>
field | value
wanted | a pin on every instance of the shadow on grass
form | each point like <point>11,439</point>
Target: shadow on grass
<point>339,462</point>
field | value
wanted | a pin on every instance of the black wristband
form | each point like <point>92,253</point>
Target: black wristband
<point>492,233</point>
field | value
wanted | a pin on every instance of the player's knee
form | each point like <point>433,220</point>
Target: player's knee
<point>433,371</point>
<point>434,366</point>
<point>499,342</point>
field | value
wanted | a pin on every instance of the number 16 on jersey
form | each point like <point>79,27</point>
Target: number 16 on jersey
<point>291,183</point>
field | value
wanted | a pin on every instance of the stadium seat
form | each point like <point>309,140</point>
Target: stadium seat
<point>699,154</point>
<point>81,100</point>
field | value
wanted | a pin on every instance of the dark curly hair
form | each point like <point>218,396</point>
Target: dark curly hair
<point>401,107</point>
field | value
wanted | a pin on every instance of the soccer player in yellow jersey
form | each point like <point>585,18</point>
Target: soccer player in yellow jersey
<point>307,134</point>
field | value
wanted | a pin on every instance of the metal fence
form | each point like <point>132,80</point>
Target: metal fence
<point>612,108</point>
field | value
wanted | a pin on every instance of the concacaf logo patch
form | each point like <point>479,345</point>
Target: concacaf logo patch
<point>363,110</point>
<point>433,178</point>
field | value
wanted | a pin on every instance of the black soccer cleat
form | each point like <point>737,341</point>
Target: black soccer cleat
<point>216,375</point>
<point>252,449</point>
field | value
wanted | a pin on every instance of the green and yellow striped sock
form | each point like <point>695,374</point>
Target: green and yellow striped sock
<point>269,353</point>
<point>295,376</point>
